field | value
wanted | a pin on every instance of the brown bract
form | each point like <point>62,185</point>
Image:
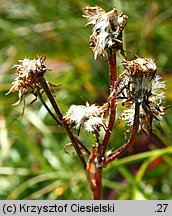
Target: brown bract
<point>140,67</point>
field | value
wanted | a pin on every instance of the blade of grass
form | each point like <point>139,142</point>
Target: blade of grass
<point>141,156</point>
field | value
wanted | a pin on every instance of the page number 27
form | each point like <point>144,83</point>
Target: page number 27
<point>161,207</point>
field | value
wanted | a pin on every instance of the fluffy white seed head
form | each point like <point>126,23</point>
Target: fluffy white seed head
<point>94,124</point>
<point>107,29</point>
<point>90,117</point>
<point>27,80</point>
<point>140,84</point>
<point>27,67</point>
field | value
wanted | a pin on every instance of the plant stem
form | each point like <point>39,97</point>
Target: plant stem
<point>112,80</point>
<point>98,177</point>
<point>123,149</point>
<point>59,123</point>
<point>112,69</point>
<point>51,98</point>
<point>97,193</point>
<point>47,108</point>
<point>101,149</point>
<point>83,147</point>
<point>60,118</point>
<point>94,175</point>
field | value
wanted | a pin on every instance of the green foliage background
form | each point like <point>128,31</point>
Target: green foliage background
<point>33,164</point>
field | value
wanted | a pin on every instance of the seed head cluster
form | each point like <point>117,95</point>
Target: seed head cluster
<point>138,87</point>
<point>27,80</point>
<point>107,29</point>
<point>140,84</point>
<point>90,117</point>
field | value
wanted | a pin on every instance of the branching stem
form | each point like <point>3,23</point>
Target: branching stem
<point>101,149</point>
<point>123,149</point>
<point>47,108</point>
<point>60,118</point>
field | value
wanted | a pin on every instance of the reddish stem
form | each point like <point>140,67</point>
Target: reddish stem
<point>94,175</point>
<point>48,109</point>
<point>98,168</point>
<point>116,154</point>
<point>113,77</point>
<point>112,69</point>
<point>60,118</point>
<point>98,177</point>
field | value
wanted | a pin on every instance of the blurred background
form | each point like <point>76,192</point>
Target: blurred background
<point>33,163</point>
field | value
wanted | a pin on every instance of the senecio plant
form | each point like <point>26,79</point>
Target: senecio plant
<point>139,89</point>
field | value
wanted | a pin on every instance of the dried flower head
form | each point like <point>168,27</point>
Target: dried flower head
<point>27,81</point>
<point>90,117</point>
<point>141,85</point>
<point>107,30</point>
